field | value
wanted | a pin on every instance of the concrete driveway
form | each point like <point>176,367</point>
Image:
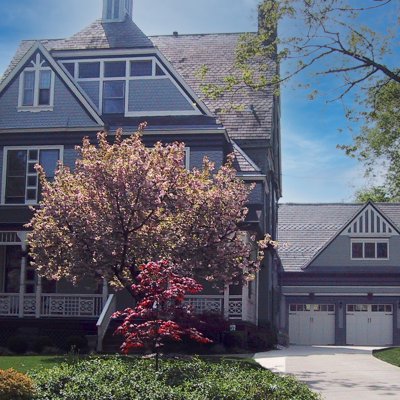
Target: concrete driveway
<point>338,373</point>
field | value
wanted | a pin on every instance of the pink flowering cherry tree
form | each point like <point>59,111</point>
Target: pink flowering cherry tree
<point>160,313</point>
<point>124,205</point>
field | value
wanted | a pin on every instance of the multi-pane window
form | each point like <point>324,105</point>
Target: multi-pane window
<point>113,97</point>
<point>107,81</point>
<point>114,69</point>
<point>36,86</point>
<point>369,249</point>
<point>22,185</point>
<point>142,68</point>
<point>44,87</point>
<point>29,88</point>
<point>89,70</point>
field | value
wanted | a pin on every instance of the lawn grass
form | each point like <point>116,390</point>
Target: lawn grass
<point>391,356</point>
<point>30,363</point>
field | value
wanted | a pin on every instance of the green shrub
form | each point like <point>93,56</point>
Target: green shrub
<point>236,339</point>
<point>76,343</point>
<point>262,340</point>
<point>41,342</point>
<point>125,378</point>
<point>17,344</point>
<point>15,386</point>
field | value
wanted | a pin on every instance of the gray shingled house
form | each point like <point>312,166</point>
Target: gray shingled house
<point>111,75</point>
<point>339,274</point>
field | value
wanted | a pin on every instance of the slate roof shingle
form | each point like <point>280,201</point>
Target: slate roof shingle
<point>304,229</point>
<point>187,54</point>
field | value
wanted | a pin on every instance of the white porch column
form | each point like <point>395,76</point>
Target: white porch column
<point>226,301</point>
<point>22,281</point>
<point>105,291</point>
<point>38,293</point>
<point>245,301</point>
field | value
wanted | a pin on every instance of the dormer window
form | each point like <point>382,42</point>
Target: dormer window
<point>36,87</point>
<point>369,249</point>
<point>114,97</point>
<point>139,85</point>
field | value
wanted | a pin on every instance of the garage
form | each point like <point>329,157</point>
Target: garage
<point>312,324</point>
<point>369,324</point>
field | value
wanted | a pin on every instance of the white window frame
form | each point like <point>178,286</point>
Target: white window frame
<point>37,67</point>
<point>4,173</point>
<point>127,78</point>
<point>363,241</point>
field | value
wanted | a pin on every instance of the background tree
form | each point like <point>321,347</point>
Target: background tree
<point>350,41</point>
<point>378,143</point>
<point>377,194</point>
<point>125,205</point>
<point>330,37</point>
<point>160,314</point>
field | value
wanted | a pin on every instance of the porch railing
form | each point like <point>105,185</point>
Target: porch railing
<point>215,303</point>
<point>9,304</point>
<point>51,305</point>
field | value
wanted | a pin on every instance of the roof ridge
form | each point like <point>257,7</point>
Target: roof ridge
<point>201,34</point>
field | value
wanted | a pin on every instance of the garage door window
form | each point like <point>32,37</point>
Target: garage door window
<point>324,307</point>
<point>381,308</point>
<point>357,307</point>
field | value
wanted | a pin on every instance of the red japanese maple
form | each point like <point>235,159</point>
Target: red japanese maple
<point>161,313</point>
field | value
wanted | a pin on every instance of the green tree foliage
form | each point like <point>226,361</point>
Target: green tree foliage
<point>377,194</point>
<point>378,143</point>
<point>330,37</point>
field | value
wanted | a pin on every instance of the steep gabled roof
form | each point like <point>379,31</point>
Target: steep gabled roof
<point>38,46</point>
<point>106,35</point>
<point>304,229</point>
<point>189,53</point>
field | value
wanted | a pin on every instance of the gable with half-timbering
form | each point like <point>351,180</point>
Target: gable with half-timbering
<point>370,240</point>
<point>39,95</point>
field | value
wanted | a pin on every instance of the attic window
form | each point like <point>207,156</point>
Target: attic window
<point>369,249</point>
<point>142,68</point>
<point>89,70</point>
<point>114,69</point>
<point>70,67</point>
<point>36,87</point>
<point>159,71</point>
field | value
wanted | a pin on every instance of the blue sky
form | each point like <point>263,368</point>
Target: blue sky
<point>313,169</point>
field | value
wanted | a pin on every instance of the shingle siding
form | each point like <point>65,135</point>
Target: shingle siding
<point>156,95</point>
<point>304,230</point>
<point>337,256</point>
<point>70,156</point>
<point>197,155</point>
<point>67,111</point>
<point>92,89</point>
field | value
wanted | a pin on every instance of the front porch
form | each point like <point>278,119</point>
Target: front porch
<point>51,305</point>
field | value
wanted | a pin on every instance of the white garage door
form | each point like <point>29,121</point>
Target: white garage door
<point>312,324</point>
<point>369,324</point>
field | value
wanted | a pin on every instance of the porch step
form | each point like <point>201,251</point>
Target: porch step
<point>111,342</point>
